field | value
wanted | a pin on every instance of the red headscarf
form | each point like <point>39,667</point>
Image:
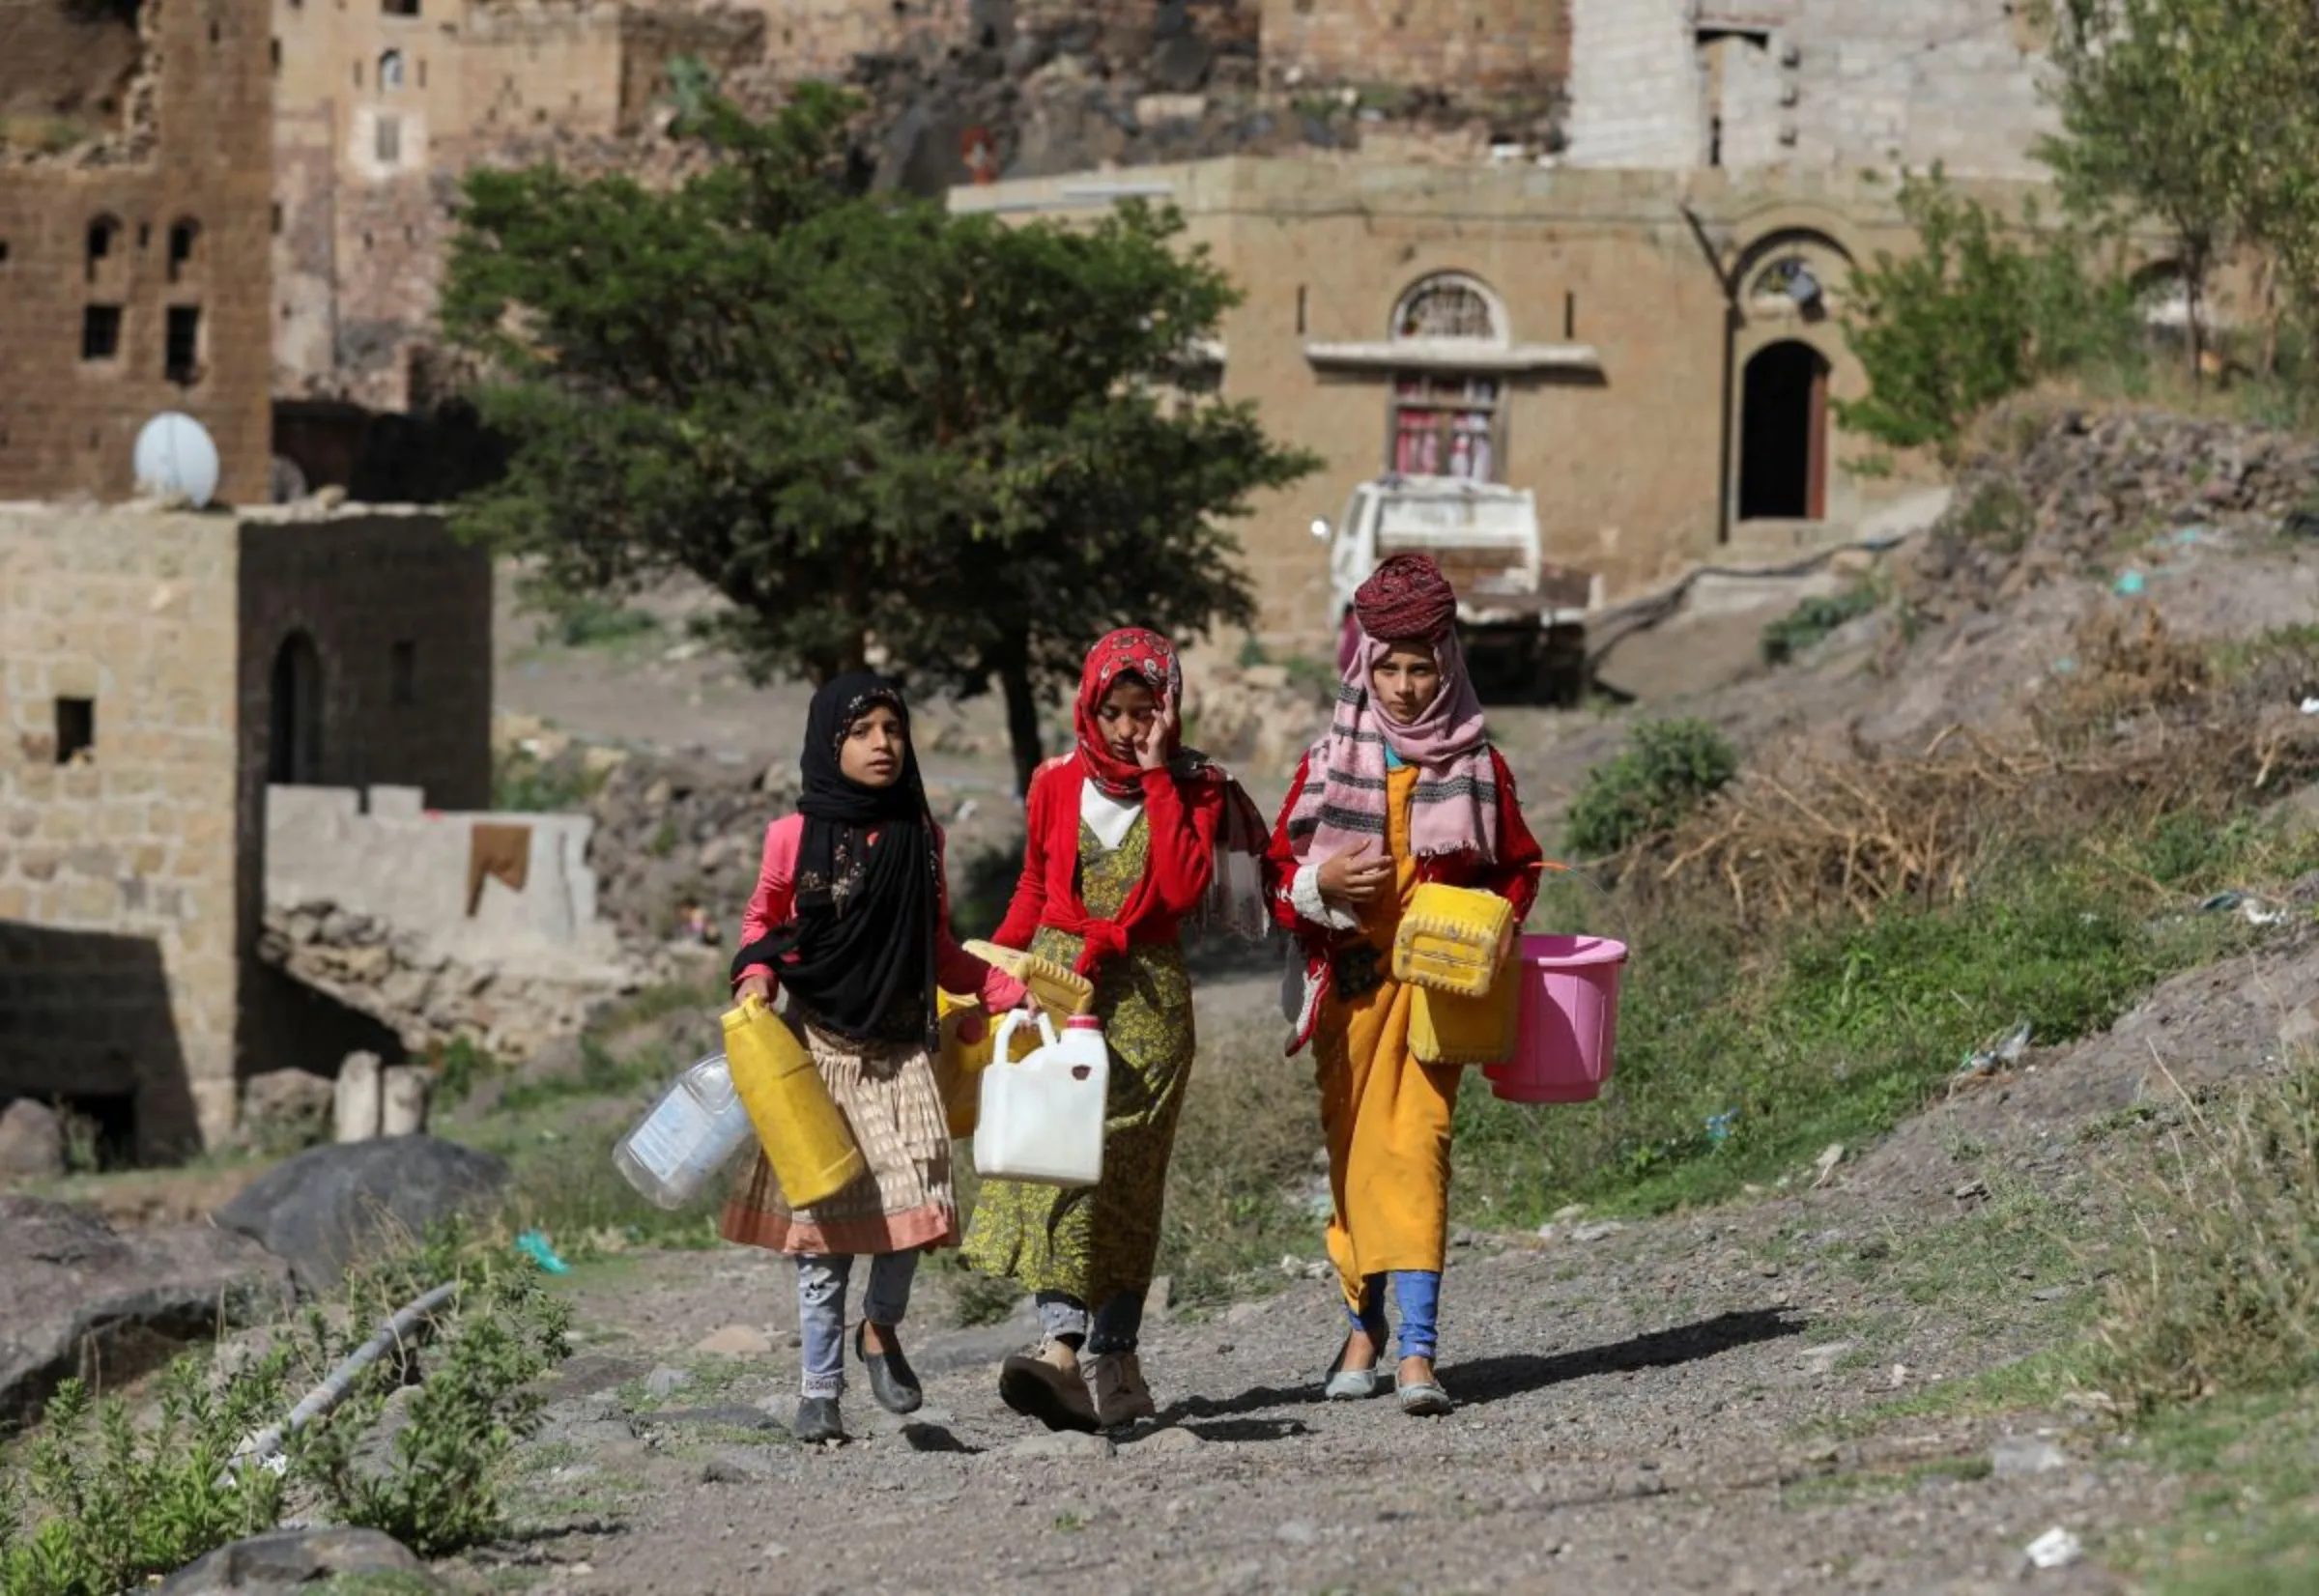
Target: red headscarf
<point>1147,657</point>
<point>1406,600</point>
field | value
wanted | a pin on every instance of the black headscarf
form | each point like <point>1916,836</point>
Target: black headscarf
<point>860,949</point>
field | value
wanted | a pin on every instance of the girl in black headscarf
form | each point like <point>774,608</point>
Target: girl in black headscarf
<point>850,913</point>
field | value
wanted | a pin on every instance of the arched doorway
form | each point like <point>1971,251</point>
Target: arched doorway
<point>293,746</point>
<point>1783,435</point>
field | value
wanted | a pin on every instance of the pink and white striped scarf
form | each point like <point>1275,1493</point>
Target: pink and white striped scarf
<point>1454,809</point>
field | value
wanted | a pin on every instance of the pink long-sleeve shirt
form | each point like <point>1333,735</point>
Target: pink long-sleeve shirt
<point>774,902</point>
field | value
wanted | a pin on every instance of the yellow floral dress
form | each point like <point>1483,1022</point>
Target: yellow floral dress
<point>1095,1242</point>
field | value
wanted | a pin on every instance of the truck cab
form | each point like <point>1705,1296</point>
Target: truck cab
<point>1522,618</point>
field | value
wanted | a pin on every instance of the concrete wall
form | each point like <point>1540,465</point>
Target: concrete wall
<point>1635,90</point>
<point>194,151</point>
<point>1631,449</point>
<point>116,900</point>
<point>381,854</point>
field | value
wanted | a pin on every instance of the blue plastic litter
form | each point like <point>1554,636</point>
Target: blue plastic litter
<point>2130,582</point>
<point>534,1245</point>
<point>1719,1125</point>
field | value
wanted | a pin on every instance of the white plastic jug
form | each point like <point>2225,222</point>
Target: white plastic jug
<point>691,1135</point>
<point>1042,1114</point>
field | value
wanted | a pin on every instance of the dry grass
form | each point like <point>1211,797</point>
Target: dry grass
<point>2138,733</point>
<point>2223,1292</point>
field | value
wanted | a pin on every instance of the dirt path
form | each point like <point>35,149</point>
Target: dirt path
<point>1744,1400</point>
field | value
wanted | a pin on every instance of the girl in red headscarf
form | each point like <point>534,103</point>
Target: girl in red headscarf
<point>1130,836</point>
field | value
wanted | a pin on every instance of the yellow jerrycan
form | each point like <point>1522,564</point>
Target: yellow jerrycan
<point>1453,940</point>
<point>805,1138</point>
<point>1447,1028</point>
<point>961,1063</point>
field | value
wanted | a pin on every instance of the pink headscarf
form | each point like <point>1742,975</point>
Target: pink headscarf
<point>1454,808</point>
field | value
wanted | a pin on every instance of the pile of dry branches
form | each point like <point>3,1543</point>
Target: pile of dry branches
<point>2137,733</point>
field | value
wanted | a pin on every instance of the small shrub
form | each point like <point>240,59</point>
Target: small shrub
<point>460,1065</point>
<point>592,622</point>
<point>1669,770</point>
<point>2221,1294</point>
<point>523,783</point>
<point>1813,621</point>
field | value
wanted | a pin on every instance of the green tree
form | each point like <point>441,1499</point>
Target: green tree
<point>2141,93</point>
<point>862,420</point>
<point>1977,311</point>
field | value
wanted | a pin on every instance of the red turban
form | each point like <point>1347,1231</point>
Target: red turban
<point>1406,600</point>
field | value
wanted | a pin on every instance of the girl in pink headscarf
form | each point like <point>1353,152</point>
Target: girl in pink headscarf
<point>1404,789</point>
<point>1130,836</point>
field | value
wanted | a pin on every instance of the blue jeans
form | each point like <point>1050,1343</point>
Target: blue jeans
<point>822,1309</point>
<point>1113,1327</point>
<point>1417,1292</point>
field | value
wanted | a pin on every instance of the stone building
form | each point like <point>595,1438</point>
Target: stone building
<point>162,671</point>
<point>1655,354</point>
<point>133,211</point>
<point>381,108</point>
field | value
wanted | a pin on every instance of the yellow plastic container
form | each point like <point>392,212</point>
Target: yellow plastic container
<point>1445,1028</point>
<point>1060,989</point>
<point>805,1138</point>
<point>1453,940</point>
<point>959,1068</point>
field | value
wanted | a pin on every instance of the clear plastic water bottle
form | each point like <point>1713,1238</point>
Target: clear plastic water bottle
<point>692,1134</point>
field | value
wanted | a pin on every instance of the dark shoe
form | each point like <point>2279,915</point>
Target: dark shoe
<point>818,1421</point>
<point>1048,1386</point>
<point>892,1379</point>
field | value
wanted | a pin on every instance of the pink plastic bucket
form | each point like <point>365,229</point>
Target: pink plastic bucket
<point>1569,1026</point>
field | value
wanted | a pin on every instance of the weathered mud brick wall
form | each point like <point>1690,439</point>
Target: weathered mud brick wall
<point>133,234</point>
<point>118,934</point>
<point>1492,46</point>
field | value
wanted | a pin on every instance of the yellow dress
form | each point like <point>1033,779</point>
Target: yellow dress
<point>1385,1115</point>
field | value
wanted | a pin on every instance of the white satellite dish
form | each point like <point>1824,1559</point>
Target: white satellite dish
<point>175,456</point>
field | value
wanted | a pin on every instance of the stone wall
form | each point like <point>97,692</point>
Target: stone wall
<point>1501,46</point>
<point>98,251</point>
<point>1822,86</point>
<point>116,903</point>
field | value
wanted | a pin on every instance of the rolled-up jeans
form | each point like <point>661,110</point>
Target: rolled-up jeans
<point>821,1279</point>
<point>1113,1326</point>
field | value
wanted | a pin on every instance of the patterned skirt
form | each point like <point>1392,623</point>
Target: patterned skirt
<point>888,1097</point>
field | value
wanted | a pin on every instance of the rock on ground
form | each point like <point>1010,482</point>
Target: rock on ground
<point>32,1140</point>
<point>77,1297</point>
<point>289,1560</point>
<point>286,1110</point>
<point>323,1210</point>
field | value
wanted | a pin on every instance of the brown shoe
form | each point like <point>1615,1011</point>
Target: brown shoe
<point>1048,1386</point>
<point>1121,1397</point>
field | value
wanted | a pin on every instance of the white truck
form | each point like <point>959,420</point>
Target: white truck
<point>1522,618</point>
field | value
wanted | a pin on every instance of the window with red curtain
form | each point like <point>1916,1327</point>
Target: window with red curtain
<point>1446,426</point>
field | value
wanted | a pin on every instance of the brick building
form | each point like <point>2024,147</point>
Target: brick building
<point>134,175</point>
<point>162,671</point>
<point>381,105</point>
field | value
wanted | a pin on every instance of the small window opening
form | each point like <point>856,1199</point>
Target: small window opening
<point>390,72</point>
<point>214,32</point>
<point>1569,315</point>
<point>276,218</point>
<point>423,72</point>
<point>100,332</point>
<point>357,74</point>
<point>102,233</point>
<point>183,237</point>
<point>1300,310</point>
<point>181,359</point>
<point>399,7</point>
<point>3,252</point>
<point>75,731</point>
<point>389,140</point>
<point>402,675</point>
<point>273,54</point>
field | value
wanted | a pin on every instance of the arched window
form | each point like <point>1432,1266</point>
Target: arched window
<point>185,246</point>
<point>294,747</point>
<point>1449,306</point>
<point>390,72</point>
<point>1445,421</point>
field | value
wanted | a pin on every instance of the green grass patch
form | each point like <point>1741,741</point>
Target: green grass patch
<point>1742,1055</point>
<point>1814,619</point>
<point>2249,1524</point>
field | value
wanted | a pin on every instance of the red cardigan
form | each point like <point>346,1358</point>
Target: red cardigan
<point>1182,818</point>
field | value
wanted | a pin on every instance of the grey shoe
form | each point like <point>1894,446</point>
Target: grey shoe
<point>1424,1400</point>
<point>818,1421</point>
<point>892,1379</point>
<point>1343,1384</point>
